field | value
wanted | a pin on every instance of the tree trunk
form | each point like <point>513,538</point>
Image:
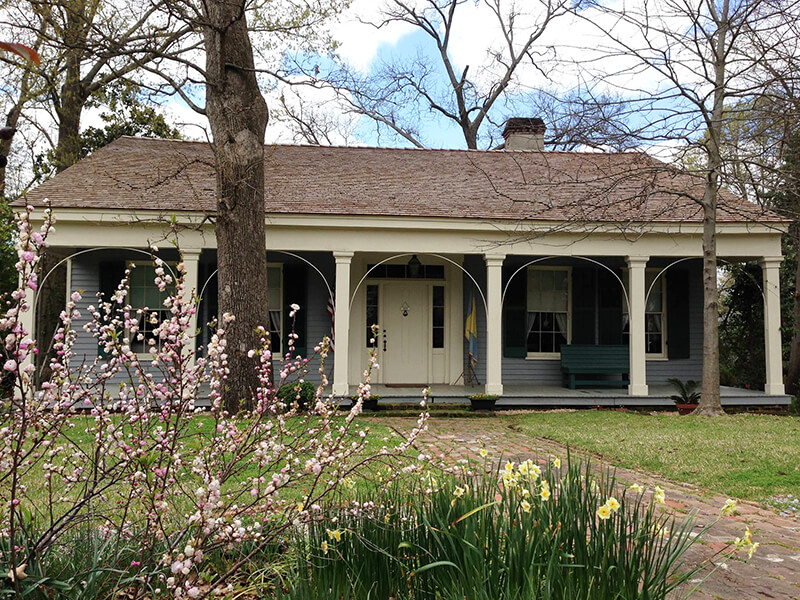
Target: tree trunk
<point>793,368</point>
<point>710,404</point>
<point>238,117</point>
<point>70,106</point>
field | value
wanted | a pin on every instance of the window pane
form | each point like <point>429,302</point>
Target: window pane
<point>548,290</point>
<point>534,341</point>
<point>438,295</point>
<point>438,337</point>
<point>274,295</point>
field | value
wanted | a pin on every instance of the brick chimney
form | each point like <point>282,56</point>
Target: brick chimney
<point>524,133</point>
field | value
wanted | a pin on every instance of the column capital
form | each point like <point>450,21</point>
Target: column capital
<point>343,256</point>
<point>770,262</point>
<point>494,259</point>
<point>637,261</point>
<point>190,252</point>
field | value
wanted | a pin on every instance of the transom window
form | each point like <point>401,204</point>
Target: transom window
<point>548,315</point>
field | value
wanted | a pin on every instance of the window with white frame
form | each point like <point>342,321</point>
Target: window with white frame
<point>143,293</point>
<point>548,309</point>
<point>655,313</point>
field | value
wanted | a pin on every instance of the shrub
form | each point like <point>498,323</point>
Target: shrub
<point>303,393</point>
<point>534,530</point>
<point>111,479</point>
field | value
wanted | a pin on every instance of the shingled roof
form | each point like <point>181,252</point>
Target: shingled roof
<point>173,176</point>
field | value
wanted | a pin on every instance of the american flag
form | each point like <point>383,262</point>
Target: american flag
<point>331,310</point>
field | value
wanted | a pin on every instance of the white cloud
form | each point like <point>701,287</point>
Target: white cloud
<point>359,40</point>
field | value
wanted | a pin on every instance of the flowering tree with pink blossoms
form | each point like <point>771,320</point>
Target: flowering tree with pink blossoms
<point>115,455</point>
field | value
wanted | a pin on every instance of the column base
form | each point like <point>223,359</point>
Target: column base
<point>341,389</point>
<point>637,389</point>
<point>493,388</point>
<point>774,389</point>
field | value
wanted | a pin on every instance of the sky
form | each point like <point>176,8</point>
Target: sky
<point>570,49</point>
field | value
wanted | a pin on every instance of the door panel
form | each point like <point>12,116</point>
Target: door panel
<point>405,333</point>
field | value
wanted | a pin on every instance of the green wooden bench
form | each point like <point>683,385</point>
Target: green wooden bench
<point>588,360</point>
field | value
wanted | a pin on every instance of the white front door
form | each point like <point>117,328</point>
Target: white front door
<point>405,335</point>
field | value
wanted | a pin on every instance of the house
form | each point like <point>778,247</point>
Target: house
<point>547,248</point>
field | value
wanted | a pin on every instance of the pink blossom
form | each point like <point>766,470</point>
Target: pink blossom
<point>28,256</point>
<point>11,365</point>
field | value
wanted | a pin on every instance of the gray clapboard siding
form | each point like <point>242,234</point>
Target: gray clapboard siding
<point>318,322</point>
<point>85,277</point>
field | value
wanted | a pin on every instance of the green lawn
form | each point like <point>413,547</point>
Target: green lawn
<point>198,434</point>
<point>747,456</point>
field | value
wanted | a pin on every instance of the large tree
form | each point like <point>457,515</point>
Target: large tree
<point>86,45</point>
<point>237,114</point>
<point>699,51</point>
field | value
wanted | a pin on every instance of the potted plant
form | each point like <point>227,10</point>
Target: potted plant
<point>688,395</point>
<point>370,402</point>
<point>483,401</point>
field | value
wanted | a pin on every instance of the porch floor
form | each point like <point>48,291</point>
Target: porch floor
<point>520,395</point>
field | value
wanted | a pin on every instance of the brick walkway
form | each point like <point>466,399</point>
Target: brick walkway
<point>773,572</point>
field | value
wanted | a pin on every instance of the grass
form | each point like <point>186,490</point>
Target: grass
<point>198,434</point>
<point>747,456</point>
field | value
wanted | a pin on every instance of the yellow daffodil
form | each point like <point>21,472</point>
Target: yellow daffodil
<point>483,452</point>
<point>557,462</point>
<point>526,506</point>
<point>324,547</point>
<point>545,494</point>
<point>604,512</point>
<point>536,471</point>
<point>729,508</point>
<point>459,491</point>
<point>748,536</point>
<point>659,496</point>
<point>334,534</point>
<point>636,488</point>
<point>612,504</point>
<point>752,550</point>
<point>523,467</point>
<point>509,479</point>
<point>509,467</point>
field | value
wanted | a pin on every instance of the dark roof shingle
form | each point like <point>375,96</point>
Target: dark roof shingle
<point>167,175</point>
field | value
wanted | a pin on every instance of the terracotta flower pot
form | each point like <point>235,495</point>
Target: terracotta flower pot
<point>685,409</point>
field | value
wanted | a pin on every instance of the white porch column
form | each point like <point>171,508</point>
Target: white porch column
<point>772,325</point>
<point>191,264</point>
<point>28,320</point>
<point>494,323</point>
<point>636,298</point>
<point>342,325</point>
